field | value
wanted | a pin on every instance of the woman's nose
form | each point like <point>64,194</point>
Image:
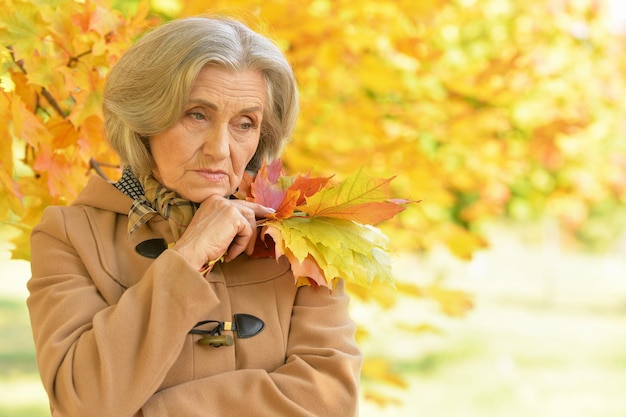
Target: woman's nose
<point>216,142</point>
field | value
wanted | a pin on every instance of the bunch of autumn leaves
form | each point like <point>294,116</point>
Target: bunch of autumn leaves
<point>325,230</point>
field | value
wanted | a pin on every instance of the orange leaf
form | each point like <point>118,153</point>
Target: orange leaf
<point>287,206</point>
<point>366,213</point>
<point>308,186</point>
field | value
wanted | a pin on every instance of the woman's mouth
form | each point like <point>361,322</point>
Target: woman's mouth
<point>211,175</point>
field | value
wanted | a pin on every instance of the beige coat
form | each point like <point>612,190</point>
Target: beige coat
<point>111,327</point>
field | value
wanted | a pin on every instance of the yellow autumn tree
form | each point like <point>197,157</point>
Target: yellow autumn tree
<point>54,58</point>
<point>481,108</point>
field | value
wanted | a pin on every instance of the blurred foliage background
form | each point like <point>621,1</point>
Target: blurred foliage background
<point>489,111</point>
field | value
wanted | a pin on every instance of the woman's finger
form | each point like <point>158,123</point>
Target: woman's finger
<point>259,210</point>
<point>245,238</point>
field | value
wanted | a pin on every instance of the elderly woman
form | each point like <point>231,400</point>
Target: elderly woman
<point>131,314</point>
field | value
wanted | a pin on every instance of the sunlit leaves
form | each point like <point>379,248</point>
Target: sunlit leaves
<point>481,108</point>
<point>340,249</point>
<point>417,91</point>
<point>55,56</point>
<point>359,198</point>
<point>325,230</point>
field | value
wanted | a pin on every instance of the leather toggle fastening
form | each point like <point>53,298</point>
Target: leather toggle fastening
<point>246,325</point>
<point>151,248</point>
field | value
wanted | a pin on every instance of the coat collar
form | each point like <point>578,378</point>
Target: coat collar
<point>100,193</point>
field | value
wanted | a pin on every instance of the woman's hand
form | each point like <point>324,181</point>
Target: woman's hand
<point>220,227</point>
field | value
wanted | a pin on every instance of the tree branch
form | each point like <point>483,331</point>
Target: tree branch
<point>97,166</point>
<point>49,98</point>
<point>52,101</point>
<point>74,59</point>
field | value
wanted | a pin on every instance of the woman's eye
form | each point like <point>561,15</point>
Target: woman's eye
<point>245,123</point>
<point>197,116</point>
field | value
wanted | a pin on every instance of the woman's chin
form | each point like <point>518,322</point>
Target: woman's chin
<point>198,196</point>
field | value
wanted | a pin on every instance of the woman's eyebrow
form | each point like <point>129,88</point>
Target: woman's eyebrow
<point>214,106</point>
<point>205,103</point>
<point>254,109</point>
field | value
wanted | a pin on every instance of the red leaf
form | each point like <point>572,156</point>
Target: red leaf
<point>264,189</point>
<point>274,170</point>
<point>245,187</point>
<point>264,247</point>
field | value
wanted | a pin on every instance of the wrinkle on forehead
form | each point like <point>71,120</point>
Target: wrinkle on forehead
<point>220,89</point>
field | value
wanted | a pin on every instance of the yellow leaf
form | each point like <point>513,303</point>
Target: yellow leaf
<point>379,369</point>
<point>379,292</point>
<point>453,303</point>
<point>420,328</point>
<point>338,248</point>
<point>26,125</point>
<point>21,29</point>
<point>460,241</point>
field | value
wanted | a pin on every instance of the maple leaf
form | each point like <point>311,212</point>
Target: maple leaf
<point>22,30</point>
<point>244,191</point>
<point>282,193</point>
<point>360,198</point>
<point>287,207</point>
<point>296,194</point>
<point>265,190</point>
<point>263,247</point>
<point>334,239</point>
<point>308,186</point>
<point>324,249</point>
<point>273,171</point>
<point>27,125</point>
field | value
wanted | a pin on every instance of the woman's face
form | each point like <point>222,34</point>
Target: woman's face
<point>207,151</point>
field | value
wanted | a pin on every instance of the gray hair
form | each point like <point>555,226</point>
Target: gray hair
<point>147,89</point>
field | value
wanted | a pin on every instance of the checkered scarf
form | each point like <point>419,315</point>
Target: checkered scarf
<point>152,198</point>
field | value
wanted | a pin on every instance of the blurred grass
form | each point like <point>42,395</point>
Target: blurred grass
<point>16,352</point>
<point>21,393</point>
<point>547,338</point>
